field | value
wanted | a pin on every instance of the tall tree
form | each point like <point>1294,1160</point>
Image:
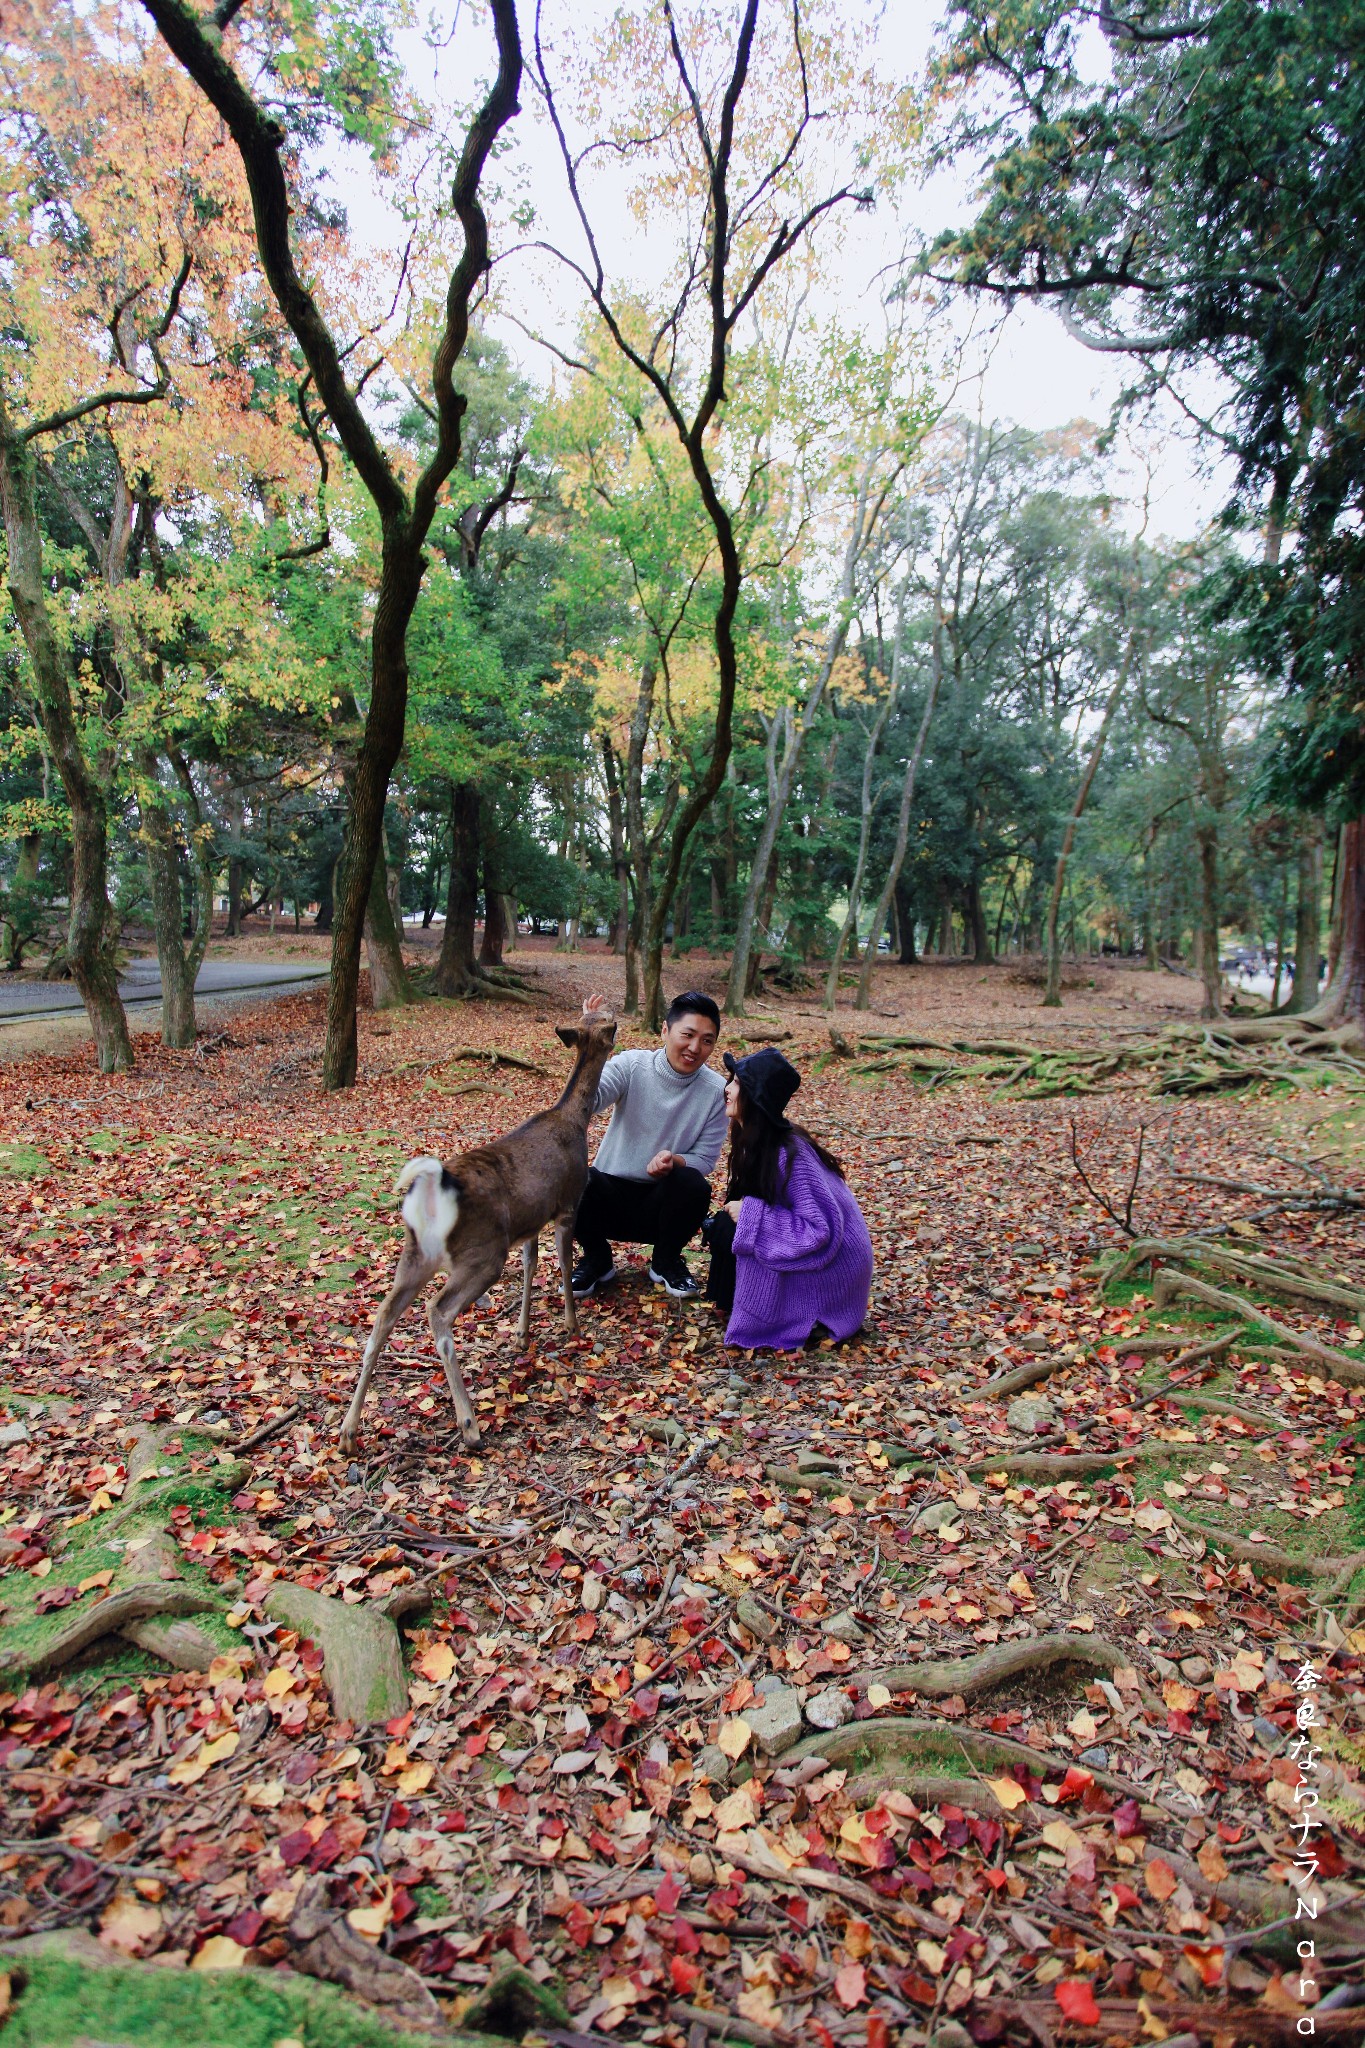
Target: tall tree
<point>1193,207</point>
<point>745,180</point>
<point>405,512</point>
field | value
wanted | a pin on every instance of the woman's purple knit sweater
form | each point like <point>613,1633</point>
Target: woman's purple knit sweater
<point>801,1261</point>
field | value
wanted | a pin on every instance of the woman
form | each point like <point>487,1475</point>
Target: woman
<point>789,1249</point>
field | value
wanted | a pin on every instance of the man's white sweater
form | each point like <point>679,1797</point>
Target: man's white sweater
<point>657,1109</point>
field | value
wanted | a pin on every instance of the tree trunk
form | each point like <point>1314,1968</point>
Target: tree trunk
<point>849,928</point>
<point>168,908</point>
<point>1343,1000</point>
<point>976,917</point>
<point>91,933</point>
<point>1209,915</point>
<point>455,970</point>
<point>490,952</point>
<point>326,898</point>
<point>905,920</point>
<point>636,838</point>
<point>389,986</point>
<point>1308,924</point>
<point>620,859</point>
<point>1052,995</point>
<point>796,730</point>
<point>863,999</point>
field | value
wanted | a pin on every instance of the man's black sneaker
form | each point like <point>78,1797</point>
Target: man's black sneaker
<point>589,1275</point>
<point>672,1275</point>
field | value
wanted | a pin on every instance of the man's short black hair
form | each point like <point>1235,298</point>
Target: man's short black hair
<point>693,1003</point>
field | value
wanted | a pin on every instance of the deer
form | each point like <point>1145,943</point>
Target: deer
<point>463,1216</point>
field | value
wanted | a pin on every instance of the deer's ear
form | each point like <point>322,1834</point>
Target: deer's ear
<point>567,1034</point>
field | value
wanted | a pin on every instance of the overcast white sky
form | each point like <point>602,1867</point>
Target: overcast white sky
<point>1033,373</point>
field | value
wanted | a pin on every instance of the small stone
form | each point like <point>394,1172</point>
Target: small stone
<point>950,2034</point>
<point>769,1683</point>
<point>713,1765</point>
<point>940,1514</point>
<point>829,1709</point>
<point>1028,1251</point>
<point>1098,1758</point>
<point>354,1475</point>
<point>1197,1669</point>
<point>13,1433</point>
<point>814,1461</point>
<point>210,1415</point>
<point>750,1615</point>
<point>1269,1734</point>
<point>843,1628</point>
<point>1030,1414</point>
<point>775,1720</point>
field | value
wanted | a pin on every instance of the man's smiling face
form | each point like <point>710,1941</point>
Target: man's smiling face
<point>689,1042</point>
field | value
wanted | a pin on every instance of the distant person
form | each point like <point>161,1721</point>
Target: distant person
<point>790,1252</point>
<point>648,1183</point>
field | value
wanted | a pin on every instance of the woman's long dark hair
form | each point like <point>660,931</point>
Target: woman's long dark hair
<point>762,1157</point>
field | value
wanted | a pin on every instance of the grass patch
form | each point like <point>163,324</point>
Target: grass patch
<point>62,2003</point>
<point>19,1161</point>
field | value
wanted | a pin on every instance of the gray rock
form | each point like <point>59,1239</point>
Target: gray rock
<point>1268,1733</point>
<point>940,1514</point>
<point>362,1656</point>
<point>354,1475</point>
<point>769,1683</point>
<point>844,1628</point>
<point>1097,1758</point>
<point>713,1764</point>
<point>13,1433</point>
<point>1030,1413</point>
<point>950,2034</point>
<point>815,1461</point>
<point>829,1709</point>
<point>776,1721</point>
<point>1197,1669</point>
<point>759,1623</point>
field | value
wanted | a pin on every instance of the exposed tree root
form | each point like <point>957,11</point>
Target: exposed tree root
<point>325,1946</point>
<point>896,1741</point>
<point>1336,1364</point>
<point>947,1676</point>
<point>1271,1555</point>
<point>1291,1282</point>
<point>1014,1382</point>
<point>107,1617</point>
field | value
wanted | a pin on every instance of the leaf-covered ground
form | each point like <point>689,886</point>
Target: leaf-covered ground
<point>660,1542</point>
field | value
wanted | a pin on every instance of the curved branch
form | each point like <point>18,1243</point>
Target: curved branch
<point>259,139</point>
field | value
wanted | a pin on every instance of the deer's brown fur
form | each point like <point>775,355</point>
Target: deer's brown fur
<point>462,1218</point>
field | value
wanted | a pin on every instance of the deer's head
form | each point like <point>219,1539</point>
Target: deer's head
<point>589,1033</point>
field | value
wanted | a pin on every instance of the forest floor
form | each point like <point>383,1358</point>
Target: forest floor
<point>781,1699</point>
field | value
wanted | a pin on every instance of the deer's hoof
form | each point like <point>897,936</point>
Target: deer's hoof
<point>469,1435</point>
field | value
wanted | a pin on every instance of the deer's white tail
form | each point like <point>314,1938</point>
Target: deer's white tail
<point>430,1205</point>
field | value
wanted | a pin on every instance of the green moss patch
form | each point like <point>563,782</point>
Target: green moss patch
<point>61,2003</point>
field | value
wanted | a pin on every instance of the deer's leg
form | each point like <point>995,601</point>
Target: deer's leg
<point>462,1288</point>
<point>413,1272</point>
<point>530,1253</point>
<point>564,1253</point>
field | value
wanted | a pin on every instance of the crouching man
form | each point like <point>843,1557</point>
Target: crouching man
<point>648,1183</point>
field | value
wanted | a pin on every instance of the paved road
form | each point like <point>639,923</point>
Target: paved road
<point>141,984</point>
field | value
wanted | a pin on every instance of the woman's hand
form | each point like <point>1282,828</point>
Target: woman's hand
<point>732,1211</point>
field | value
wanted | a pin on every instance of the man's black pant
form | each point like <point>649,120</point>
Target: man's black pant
<point>663,1212</point>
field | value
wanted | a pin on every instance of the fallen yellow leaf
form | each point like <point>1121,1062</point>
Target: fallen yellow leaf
<point>436,1663</point>
<point>219,1952</point>
<point>733,1739</point>
<point>1009,1792</point>
<point>415,1778</point>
